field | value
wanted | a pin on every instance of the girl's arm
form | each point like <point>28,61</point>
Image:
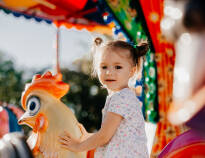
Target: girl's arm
<point>107,130</point>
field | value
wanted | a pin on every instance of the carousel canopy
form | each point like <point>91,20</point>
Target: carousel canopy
<point>79,13</point>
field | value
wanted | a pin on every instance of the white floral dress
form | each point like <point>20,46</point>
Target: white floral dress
<point>129,141</point>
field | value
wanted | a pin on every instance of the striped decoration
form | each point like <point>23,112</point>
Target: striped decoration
<point>9,116</point>
<point>165,59</point>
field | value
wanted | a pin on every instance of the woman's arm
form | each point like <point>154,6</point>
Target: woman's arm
<point>199,96</point>
<point>107,130</point>
<point>182,111</point>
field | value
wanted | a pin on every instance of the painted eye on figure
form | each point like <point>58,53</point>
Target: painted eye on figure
<point>118,67</point>
<point>33,105</point>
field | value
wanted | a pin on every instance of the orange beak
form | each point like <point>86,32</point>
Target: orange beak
<point>27,119</point>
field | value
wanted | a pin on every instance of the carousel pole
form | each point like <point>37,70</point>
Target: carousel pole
<point>57,49</point>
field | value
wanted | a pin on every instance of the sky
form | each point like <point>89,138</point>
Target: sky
<point>31,44</point>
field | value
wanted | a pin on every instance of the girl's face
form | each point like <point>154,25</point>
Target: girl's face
<point>114,68</point>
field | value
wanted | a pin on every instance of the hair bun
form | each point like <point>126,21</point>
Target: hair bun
<point>142,49</point>
<point>98,41</point>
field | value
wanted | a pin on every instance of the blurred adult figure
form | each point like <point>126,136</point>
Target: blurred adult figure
<point>189,74</point>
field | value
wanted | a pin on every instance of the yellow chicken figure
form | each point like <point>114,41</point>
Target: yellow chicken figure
<point>48,116</point>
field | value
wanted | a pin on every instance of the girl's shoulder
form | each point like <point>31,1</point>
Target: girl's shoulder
<point>124,94</point>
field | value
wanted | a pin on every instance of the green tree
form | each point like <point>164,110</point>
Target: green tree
<point>11,82</point>
<point>85,97</point>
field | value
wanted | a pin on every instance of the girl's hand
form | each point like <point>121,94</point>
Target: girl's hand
<point>69,143</point>
<point>85,134</point>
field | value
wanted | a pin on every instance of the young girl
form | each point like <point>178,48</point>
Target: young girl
<point>122,133</point>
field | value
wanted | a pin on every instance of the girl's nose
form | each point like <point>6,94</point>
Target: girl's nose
<point>108,72</point>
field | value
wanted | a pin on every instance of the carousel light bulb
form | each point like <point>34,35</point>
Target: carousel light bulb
<point>167,10</point>
<point>185,39</point>
<point>174,13</point>
<point>167,23</point>
<point>148,112</point>
<point>145,63</point>
<point>139,33</point>
<point>105,17</point>
<point>146,79</point>
<point>148,95</point>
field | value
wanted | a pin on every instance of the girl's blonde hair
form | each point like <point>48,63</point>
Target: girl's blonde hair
<point>137,52</point>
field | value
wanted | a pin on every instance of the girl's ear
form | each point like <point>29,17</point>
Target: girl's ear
<point>134,71</point>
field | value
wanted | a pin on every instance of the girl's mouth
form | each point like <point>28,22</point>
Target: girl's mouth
<point>109,80</point>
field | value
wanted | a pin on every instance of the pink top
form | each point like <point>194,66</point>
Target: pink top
<point>129,141</point>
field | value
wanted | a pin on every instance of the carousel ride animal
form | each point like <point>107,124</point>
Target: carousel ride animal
<point>49,117</point>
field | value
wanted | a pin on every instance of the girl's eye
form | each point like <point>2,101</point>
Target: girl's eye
<point>118,67</point>
<point>104,67</point>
